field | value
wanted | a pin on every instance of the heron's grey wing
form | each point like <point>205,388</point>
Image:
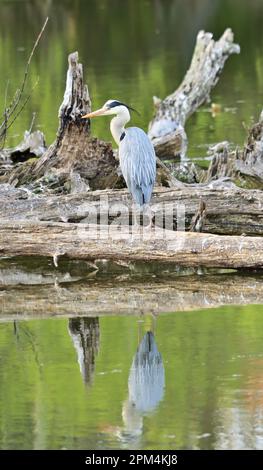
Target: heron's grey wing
<point>138,164</point>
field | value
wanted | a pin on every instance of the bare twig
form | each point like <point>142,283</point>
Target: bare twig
<point>21,108</point>
<point>13,109</point>
<point>32,123</point>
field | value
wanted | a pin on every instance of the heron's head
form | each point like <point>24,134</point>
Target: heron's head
<point>111,107</point>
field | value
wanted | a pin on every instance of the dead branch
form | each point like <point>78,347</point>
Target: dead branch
<point>12,111</point>
<point>167,126</point>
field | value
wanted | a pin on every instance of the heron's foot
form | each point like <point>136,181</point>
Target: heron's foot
<point>150,225</point>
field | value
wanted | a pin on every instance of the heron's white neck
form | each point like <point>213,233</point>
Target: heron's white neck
<point>118,122</point>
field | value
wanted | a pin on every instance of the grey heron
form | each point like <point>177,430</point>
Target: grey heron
<point>136,152</point>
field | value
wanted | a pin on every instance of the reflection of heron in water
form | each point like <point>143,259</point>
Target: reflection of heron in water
<point>85,334</point>
<point>146,389</point>
<point>146,379</point>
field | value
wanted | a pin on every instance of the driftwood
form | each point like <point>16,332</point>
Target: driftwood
<point>207,64</point>
<point>118,295</point>
<point>250,162</point>
<point>243,165</point>
<point>228,211</point>
<point>33,145</point>
<point>86,241</point>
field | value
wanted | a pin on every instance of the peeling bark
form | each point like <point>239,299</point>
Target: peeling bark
<point>245,165</point>
<point>228,211</point>
<point>92,242</point>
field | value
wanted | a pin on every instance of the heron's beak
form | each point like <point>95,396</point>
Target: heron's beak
<point>99,112</point>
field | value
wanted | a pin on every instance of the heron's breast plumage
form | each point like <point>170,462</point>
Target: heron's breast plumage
<point>138,164</point>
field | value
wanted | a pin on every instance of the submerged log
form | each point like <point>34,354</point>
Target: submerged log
<point>171,113</point>
<point>92,242</point>
<point>125,297</point>
<point>227,211</point>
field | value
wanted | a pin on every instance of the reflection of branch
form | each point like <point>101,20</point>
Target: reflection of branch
<point>31,340</point>
<point>85,334</point>
<point>13,109</point>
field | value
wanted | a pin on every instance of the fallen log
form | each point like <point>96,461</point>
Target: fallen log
<point>115,295</point>
<point>171,113</point>
<point>228,211</point>
<point>92,242</point>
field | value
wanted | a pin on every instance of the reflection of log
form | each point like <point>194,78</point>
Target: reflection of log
<point>117,296</point>
<point>207,63</point>
<point>85,334</point>
<point>12,276</point>
<point>228,211</point>
<point>86,241</point>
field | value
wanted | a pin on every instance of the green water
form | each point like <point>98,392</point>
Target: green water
<point>132,50</point>
<point>212,396</point>
<point>69,382</point>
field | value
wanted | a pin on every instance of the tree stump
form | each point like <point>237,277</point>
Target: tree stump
<point>74,156</point>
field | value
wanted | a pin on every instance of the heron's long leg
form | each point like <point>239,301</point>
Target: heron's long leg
<point>149,213</point>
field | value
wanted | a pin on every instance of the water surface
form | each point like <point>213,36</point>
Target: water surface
<point>64,382</point>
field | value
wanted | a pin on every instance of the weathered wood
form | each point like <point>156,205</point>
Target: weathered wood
<point>244,165</point>
<point>86,241</point>
<point>206,66</point>
<point>228,211</point>
<point>32,145</point>
<point>119,296</point>
<point>249,162</point>
<point>73,151</point>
